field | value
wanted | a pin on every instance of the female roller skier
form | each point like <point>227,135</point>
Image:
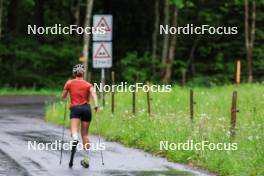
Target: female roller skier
<point>80,110</point>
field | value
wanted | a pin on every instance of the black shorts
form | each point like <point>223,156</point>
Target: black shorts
<point>82,112</point>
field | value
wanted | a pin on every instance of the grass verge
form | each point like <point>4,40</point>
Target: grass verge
<point>13,91</point>
<point>170,121</point>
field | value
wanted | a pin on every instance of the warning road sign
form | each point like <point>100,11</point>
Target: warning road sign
<point>105,21</point>
<point>102,54</point>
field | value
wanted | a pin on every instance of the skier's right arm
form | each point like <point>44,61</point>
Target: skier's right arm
<point>64,94</point>
<point>65,90</point>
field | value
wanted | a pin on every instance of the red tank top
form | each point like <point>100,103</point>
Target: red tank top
<point>79,91</point>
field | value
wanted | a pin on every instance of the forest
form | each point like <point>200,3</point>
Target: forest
<point>140,52</point>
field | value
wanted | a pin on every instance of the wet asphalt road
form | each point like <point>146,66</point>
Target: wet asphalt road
<point>21,120</point>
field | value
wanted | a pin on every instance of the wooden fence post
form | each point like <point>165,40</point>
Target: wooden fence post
<point>134,101</point>
<point>89,76</point>
<point>183,81</point>
<point>233,114</point>
<point>113,92</point>
<point>148,99</point>
<point>238,72</point>
<point>191,104</point>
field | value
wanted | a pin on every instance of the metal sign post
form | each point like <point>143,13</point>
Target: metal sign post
<point>103,84</point>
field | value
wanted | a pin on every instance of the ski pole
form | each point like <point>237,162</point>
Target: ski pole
<point>99,138</point>
<point>63,129</point>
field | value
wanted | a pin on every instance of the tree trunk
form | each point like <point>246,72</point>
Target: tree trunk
<point>1,13</point>
<point>190,63</point>
<point>39,16</point>
<point>252,40</point>
<point>77,13</point>
<point>12,16</point>
<point>247,37</point>
<point>166,36</point>
<point>86,37</point>
<point>172,47</point>
<point>250,37</point>
<point>74,12</point>
<point>155,35</point>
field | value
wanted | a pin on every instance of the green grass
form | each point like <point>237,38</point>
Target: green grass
<point>13,91</point>
<point>170,121</point>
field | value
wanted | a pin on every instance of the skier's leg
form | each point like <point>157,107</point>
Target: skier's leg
<point>75,122</point>
<point>86,143</point>
<point>85,136</point>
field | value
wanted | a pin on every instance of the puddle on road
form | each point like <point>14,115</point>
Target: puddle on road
<point>29,110</point>
<point>5,120</point>
<point>37,167</point>
<point>38,136</point>
<point>10,166</point>
<point>147,173</point>
<point>43,137</point>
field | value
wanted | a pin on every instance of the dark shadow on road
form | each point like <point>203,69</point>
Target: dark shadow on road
<point>10,166</point>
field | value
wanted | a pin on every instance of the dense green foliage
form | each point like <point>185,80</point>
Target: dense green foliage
<point>30,64</point>
<point>46,61</point>
<point>170,121</point>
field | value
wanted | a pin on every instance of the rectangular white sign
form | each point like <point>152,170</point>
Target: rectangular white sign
<point>102,54</point>
<point>105,21</point>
